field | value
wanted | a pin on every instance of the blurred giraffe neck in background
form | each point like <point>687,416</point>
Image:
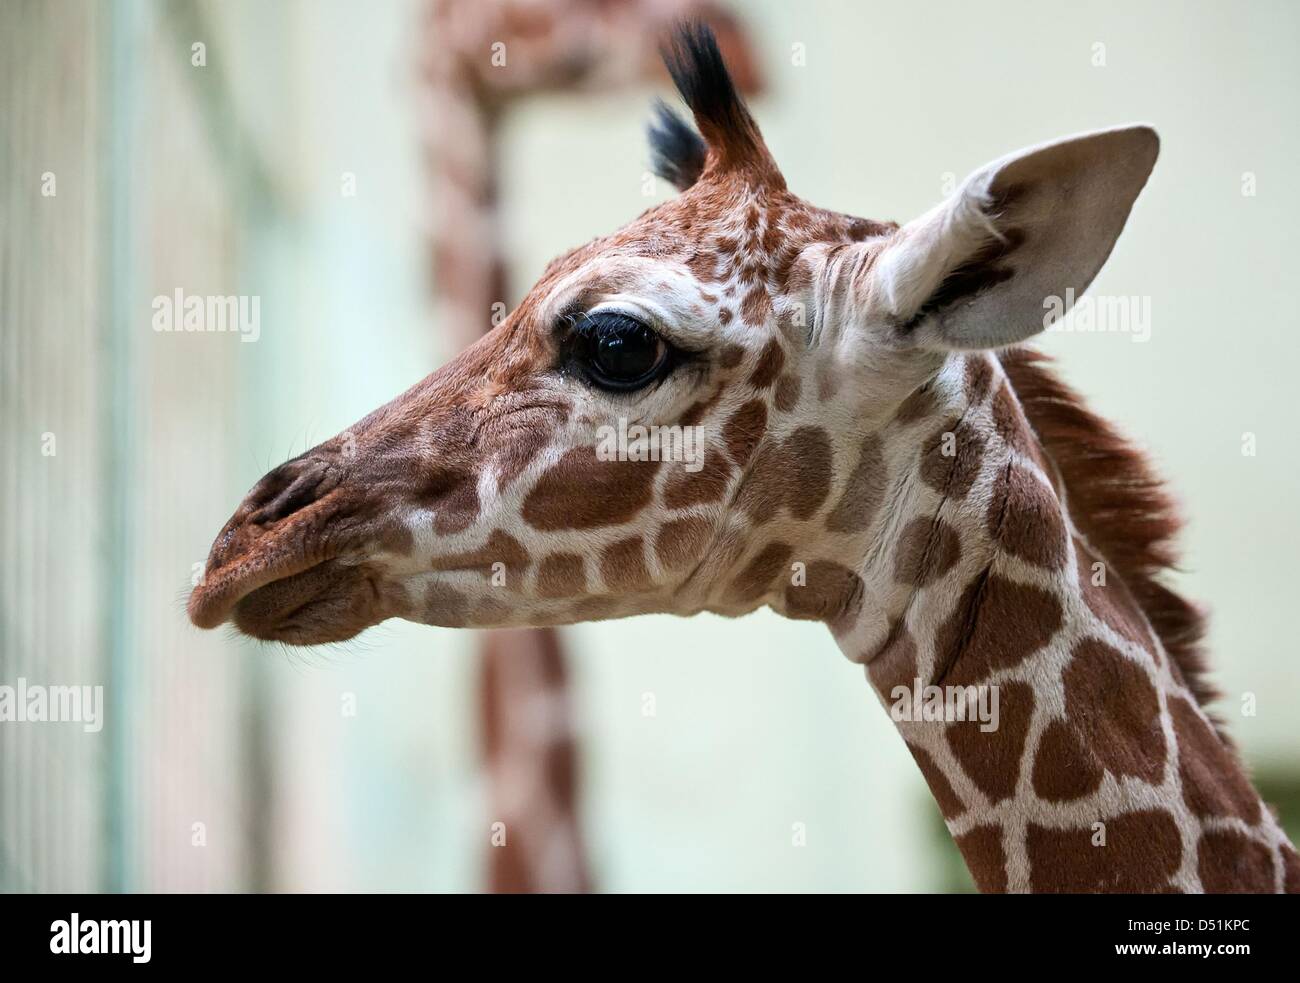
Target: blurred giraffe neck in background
<point>502,53</point>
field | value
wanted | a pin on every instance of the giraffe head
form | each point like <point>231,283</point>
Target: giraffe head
<point>672,403</point>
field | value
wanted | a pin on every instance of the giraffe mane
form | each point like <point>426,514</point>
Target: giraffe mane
<point>1119,504</point>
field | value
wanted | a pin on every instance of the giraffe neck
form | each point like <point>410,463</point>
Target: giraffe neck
<point>469,263</point>
<point>1060,740</point>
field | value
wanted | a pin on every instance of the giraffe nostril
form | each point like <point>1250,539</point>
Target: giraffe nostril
<point>287,490</point>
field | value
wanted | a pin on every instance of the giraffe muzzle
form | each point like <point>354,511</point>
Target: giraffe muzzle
<point>281,532</point>
<point>308,556</point>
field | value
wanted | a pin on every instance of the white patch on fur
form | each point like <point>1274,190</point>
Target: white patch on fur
<point>910,270</point>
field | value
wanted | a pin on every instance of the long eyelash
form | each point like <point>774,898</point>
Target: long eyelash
<point>576,320</point>
<point>582,324</point>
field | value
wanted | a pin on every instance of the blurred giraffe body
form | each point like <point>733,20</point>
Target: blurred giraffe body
<point>482,57</point>
<point>879,457</point>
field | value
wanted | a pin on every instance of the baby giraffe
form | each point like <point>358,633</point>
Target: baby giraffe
<point>867,448</point>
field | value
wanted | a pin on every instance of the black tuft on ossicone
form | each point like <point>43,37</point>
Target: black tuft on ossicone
<point>696,66</point>
<point>678,152</point>
<point>729,133</point>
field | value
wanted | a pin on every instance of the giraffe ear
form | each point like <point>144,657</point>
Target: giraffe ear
<point>1020,239</point>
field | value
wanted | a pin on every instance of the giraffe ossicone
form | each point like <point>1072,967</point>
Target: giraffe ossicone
<point>874,456</point>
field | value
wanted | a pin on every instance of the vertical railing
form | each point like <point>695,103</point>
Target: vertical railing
<point>117,444</point>
<point>118,136</point>
<point>53,459</point>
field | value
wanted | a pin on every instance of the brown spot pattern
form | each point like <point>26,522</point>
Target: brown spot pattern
<point>395,537</point>
<point>1213,783</point>
<point>794,474</point>
<point>979,377</point>
<point>808,449</point>
<point>694,413</point>
<point>770,362</point>
<point>622,565</point>
<point>927,549</point>
<point>996,624</point>
<point>759,574</point>
<point>1142,851</point>
<point>920,403</point>
<point>445,606</point>
<point>708,484</point>
<point>1230,863</point>
<point>832,593</point>
<point>1063,768</point>
<point>788,389</point>
<point>1112,603</point>
<point>561,575</point>
<point>992,758</point>
<point>456,511</point>
<point>863,492</point>
<point>501,547</point>
<point>744,430</point>
<point>895,663</point>
<point>681,542</point>
<point>950,803</point>
<point>982,849</point>
<point>755,307</point>
<point>1024,518</point>
<point>828,381</point>
<point>582,492</point>
<point>1010,424</point>
<point>1111,702</point>
<point>950,465</point>
<point>703,266</point>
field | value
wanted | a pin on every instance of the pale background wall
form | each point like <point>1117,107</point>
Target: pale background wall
<point>760,723</point>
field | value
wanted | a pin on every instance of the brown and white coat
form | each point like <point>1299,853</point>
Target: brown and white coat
<point>879,457</point>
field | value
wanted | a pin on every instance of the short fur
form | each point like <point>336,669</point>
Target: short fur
<point>1119,504</point>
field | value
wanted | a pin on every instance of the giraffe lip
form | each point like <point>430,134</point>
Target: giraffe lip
<point>328,602</point>
<point>213,601</point>
<point>250,553</point>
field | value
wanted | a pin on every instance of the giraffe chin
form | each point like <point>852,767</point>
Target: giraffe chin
<point>329,602</point>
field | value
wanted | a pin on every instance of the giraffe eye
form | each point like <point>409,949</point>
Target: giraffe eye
<point>619,352</point>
